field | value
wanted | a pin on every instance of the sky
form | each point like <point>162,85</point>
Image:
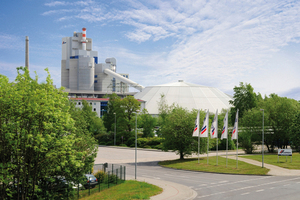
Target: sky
<point>205,42</point>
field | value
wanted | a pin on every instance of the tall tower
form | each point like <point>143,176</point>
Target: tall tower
<point>27,52</point>
<point>78,62</point>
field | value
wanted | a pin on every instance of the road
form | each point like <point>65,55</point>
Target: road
<point>207,185</point>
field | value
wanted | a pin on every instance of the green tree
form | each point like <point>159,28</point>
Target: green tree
<point>244,98</point>
<point>38,139</point>
<point>147,122</point>
<point>177,132</point>
<point>279,112</point>
<point>295,131</point>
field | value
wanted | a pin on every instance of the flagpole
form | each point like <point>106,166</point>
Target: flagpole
<point>198,136</point>
<point>217,133</point>
<point>226,150</point>
<point>237,138</point>
<point>198,146</point>
<point>207,144</point>
<point>217,151</point>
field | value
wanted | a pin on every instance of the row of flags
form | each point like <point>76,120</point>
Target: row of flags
<point>203,132</point>
<point>214,127</point>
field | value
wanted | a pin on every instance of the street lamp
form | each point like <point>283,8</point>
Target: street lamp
<point>135,143</point>
<point>263,138</point>
<point>115,131</point>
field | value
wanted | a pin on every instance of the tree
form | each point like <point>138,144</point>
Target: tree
<point>244,99</point>
<point>280,112</point>
<point>147,122</point>
<point>295,130</point>
<point>177,132</point>
<point>38,140</point>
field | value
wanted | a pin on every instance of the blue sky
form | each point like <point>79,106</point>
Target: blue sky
<point>211,43</point>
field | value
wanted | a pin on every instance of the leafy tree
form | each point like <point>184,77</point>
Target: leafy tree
<point>177,132</point>
<point>279,112</point>
<point>244,99</point>
<point>38,140</point>
<point>295,130</point>
<point>147,122</point>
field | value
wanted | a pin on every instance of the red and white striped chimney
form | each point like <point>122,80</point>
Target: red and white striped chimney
<point>83,41</point>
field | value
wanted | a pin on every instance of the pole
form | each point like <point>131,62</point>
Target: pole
<point>115,131</point>
<point>135,143</point>
<point>263,139</point>
<point>207,144</point>
<point>198,137</point>
<point>226,148</point>
<point>237,149</point>
<point>217,151</point>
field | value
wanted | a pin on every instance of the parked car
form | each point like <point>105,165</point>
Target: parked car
<point>91,181</point>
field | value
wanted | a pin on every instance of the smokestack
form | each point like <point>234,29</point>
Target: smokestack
<point>27,53</point>
<point>83,41</point>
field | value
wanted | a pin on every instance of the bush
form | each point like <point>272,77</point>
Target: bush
<point>100,175</point>
<point>123,145</point>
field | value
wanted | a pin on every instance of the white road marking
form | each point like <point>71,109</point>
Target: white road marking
<point>260,190</point>
<point>286,184</point>
<point>271,188</point>
<point>245,193</point>
<point>261,185</point>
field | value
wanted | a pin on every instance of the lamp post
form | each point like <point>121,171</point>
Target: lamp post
<point>263,138</point>
<point>135,143</point>
<point>115,131</point>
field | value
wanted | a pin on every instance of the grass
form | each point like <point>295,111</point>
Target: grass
<point>192,164</point>
<point>128,190</point>
<point>283,161</point>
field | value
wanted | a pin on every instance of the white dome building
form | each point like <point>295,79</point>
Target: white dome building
<point>186,95</point>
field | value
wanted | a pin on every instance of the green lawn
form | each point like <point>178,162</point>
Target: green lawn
<point>283,161</point>
<point>192,164</point>
<point>128,190</point>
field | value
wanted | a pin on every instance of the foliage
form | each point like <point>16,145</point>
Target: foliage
<point>177,132</point>
<point>123,119</point>
<point>100,175</point>
<point>295,131</point>
<point>38,139</point>
<point>152,142</point>
<point>147,122</point>
<point>244,99</point>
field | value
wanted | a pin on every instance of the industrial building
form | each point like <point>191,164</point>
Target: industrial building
<point>83,76</point>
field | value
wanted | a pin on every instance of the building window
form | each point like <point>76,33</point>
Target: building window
<point>96,76</point>
<point>91,103</point>
<point>78,103</point>
<point>94,103</point>
<point>94,109</point>
<point>95,81</point>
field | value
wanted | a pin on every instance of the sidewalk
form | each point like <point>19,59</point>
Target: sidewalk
<point>171,191</point>
<point>274,170</point>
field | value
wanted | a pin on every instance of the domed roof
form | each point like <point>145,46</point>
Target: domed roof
<point>186,95</point>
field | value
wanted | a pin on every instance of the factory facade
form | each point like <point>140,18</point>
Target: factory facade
<point>82,75</point>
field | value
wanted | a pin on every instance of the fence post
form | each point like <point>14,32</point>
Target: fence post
<point>99,184</point>
<point>89,186</point>
<point>116,176</point>
<point>108,179</point>
<point>121,172</point>
<point>112,167</point>
<point>124,172</point>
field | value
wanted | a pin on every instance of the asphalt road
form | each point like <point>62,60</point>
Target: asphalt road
<point>207,185</point>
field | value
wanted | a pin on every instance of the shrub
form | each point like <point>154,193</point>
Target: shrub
<point>100,175</point>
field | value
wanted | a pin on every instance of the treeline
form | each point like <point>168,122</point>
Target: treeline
<point>281,119</point>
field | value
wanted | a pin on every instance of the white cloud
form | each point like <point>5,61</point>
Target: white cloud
<point>217,43</point>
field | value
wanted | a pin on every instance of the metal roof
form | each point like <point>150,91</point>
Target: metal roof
<point>186,95</point>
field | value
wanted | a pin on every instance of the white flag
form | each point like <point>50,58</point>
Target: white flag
<point>204,129</point>
<point>234,135</point>
<point>214,126</point>
<point>225,127</point>
<point>196,129</point>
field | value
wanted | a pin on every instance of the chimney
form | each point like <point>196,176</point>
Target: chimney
<point>83,41</point>
<point>27,52</point>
